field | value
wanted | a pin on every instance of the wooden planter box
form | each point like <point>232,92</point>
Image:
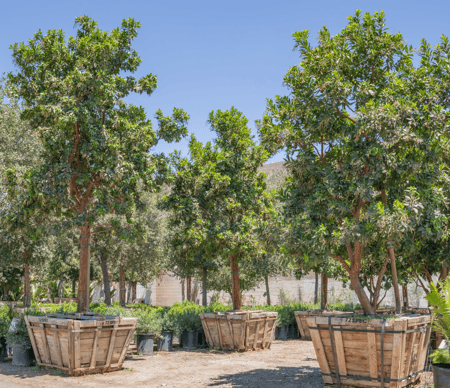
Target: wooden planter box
<point>243,330</point>
<point>80,343</point>
<point>302,316</point>
<point>56,300</point>
<point>371,353</point>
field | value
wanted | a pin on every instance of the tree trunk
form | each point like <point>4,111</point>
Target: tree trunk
<point>360,293</point>
<point>266,279</point>
<point>183,297</point>
<point>60,288</point>
<point>106,282</point>
<point>235,284</point>
<point>84,272</point>
<point>398,302</point>
<point>133,292</point>
<point>26,287</point>
<point>405,297</point>
<point>316,288</point>
<point>74,286</point>
<point>324,292</point>
<point>129,292</point>
<point>188,288</point>
<point>122,287</point>
<point>204,290</point>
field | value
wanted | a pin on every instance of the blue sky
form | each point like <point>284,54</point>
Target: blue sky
<point>212,55</point>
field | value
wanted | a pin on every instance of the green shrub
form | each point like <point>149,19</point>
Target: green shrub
<point>20,336</point>
<point>5,319</point>
<point>440,356</point>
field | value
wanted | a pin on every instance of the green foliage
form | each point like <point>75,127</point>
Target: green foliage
<point>439,299</point>
<point>440,356</point>
<point>5,319</point>
<point>365,152</point>
<point>20,336</point>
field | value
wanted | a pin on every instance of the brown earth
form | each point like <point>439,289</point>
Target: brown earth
<point>287,364</point>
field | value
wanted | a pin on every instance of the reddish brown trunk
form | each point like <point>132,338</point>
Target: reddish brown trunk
<point>235,284</point>
<point>398,302</point>
<point>359,291</point>
<point>324,292</point>
<point>84,272</point>
<point>405,297</point>
<point>122,286</point>
<point>26,287</point>
<point>133,292</point>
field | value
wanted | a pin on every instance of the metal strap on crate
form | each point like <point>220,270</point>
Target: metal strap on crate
<point>336,366</point>
<point>421,329</point>
<point>383,324</point>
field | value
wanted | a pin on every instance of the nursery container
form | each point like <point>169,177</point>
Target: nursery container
<point>22,357</point>
<point>165,343</point>
<point>371,352</point>
<point>282,333</point>
<point>144,343</point>
<point>3,349</point>
<point>239,330</point>
<point>441,375</point>
<point>80,343</point>
<point>189,339</point>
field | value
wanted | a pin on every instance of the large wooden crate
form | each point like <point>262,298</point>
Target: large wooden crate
<point>302,316</point>
<point>80,344</point>
<point>371,353</point>
<point>240,330</point>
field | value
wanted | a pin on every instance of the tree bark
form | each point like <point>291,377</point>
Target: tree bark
<point>26,287</point>
<point>122,287</point>
<point>235,284</point>
<point>405,297</point>
<point>359,291</point>
<point>106,282</point>
<point>133,292</point>
<point>183,297</point>
<point>188,288</point>
<point>324,292</point>
<point>84,272</point>
<point>266,279</point>
<point>74,285</point>
<point>60,288</point>
<point>398,303</point>
<point>204,290</point>
<point>316,288</point>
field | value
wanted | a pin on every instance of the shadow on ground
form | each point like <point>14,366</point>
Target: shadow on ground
<point>284,377</point>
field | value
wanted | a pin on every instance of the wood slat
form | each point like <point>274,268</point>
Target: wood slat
<point>111,346</point>
<point>320,352</point>
<point>396,354</point>
<point>76,344</point>
<point>95,346</point>
<point>57,345</point>
<point>373,355</point>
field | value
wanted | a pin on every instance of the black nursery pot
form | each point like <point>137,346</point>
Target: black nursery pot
<point>3,349</point>
<point>292,331</point>
<point>189,339</point>
<point>283,333</point>
<point>144,343</point>
<point>441,375</point>
<point>22,357</point>
<point>165,343</point>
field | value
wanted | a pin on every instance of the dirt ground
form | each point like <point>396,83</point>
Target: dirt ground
<point>287,364</point>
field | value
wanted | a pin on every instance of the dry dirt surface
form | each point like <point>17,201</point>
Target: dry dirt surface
<point>287,364</point>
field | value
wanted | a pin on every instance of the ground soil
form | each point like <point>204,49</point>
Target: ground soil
<point>287,364</point>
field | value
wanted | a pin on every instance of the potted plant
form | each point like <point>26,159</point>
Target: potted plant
<point>18,339</point>
<point>185,320</point>
<point>439,299</point>
<point>165,340</point>
<point>148,329</point>
<point>5,321</point>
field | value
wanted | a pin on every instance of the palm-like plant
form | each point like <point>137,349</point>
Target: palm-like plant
<point>439,299</point>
